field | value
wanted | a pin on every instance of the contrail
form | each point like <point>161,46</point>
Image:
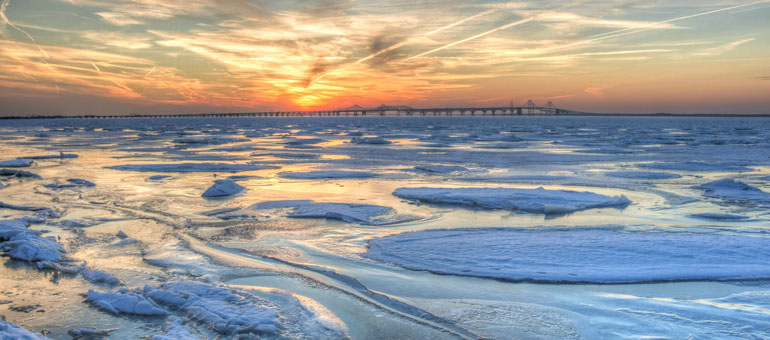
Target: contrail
<point>515,23</point>
<point>647,27</point>
<point>151,71</point>
<point>405,42</point>
<point>5,20</point>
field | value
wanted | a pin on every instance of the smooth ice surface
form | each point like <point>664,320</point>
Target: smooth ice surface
<point>223,188</point>
<point>599,255</point>
<point>124,301</point>
<point>530,200</point>
<point>10,331</point>
<point>190,167</point>
<point>731,190</point>
<point>16,163</point>
<point>641,175</point>
<point>331,174</point>
<point>348,212</point>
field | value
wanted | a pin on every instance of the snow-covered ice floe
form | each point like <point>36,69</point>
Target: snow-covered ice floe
<point>125,302</point>
<point>71,183</point>
<point>697,167</point>
<point>538,200</point>
<point>176,330</point>
<point>16,163</point>
<point>348,212</point>
<point>19,243</point>
<point>731,190</point>
<point>717,216</point>
<point>578,255</point>
<point>18,173</point>
<point>439,169</point>
<point>191,167</point>
<point>641,175</point>
<point>14,332</point>
<point>369,140</point>
<point>330,174</point>
<point>222,188</point>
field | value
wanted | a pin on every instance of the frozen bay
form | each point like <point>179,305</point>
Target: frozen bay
<point>130,204</point>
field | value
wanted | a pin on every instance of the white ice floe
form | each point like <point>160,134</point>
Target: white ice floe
<point>98,276</point>
<point>60,155</point>
<point>369,140</point>
<point>18,173</point>
<point>71,183</point>
<point>330,174</point>
<point>124,301</point>
<point>599,255</point>
<point>717,216</point>
<point>348,212</point>
<point>731,190</point>
<point>209,140</point>
<point>439,169</point>
<point>247,312</point>
<point>11,331</point>
<point>16,163</point>
<point>222,188</point>
<point>538,200</point>
<point>641,175</point>
<point>191,167</point>
<point>697,167</point>
<point>221,309</point>
<point>19,243</point>
<point>176,330</point>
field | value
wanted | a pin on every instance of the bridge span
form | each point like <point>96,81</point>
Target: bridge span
<point>529,109</point>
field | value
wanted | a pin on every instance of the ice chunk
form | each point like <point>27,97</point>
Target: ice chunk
<point>89,333</point>
<point>18,173</point>
<point>191,167</point>
<point>21,207</point>
<point>72,183</point>
<point>223,188</point>
<point>440,169</point>
<point>327,174</point>
<point>641,175</point>
<point>369,140</point>
<point>16,163</point>
<point>124,301</point>
<point>20,243</point>
<point>12,331</point>
<point>209,140</point>
<point>530,200</point>
<point>60,155</point>
<point>158,177</point>
<point>732,190</point>
<point>715,216</point>
<point>697,167</point>
<point>226,311</point>
<point>176,330</point>
<point>598,255</point>
<point>348,212</point>
<point>98,276</point>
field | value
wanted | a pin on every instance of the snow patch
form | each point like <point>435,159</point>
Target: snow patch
<point>12,331</point>
<point>124,301</point>
<point>731,190</point>
<point>348,212</point>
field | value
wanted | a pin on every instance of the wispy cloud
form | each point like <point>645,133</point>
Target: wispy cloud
<point>719,50</point>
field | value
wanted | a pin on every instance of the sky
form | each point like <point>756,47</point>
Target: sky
<point>67,57</point>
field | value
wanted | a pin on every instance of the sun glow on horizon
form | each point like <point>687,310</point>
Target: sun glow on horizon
<point>160,56</point>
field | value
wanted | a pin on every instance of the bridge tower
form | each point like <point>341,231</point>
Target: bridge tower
<point>530,107</point>
<point>549,108</point>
